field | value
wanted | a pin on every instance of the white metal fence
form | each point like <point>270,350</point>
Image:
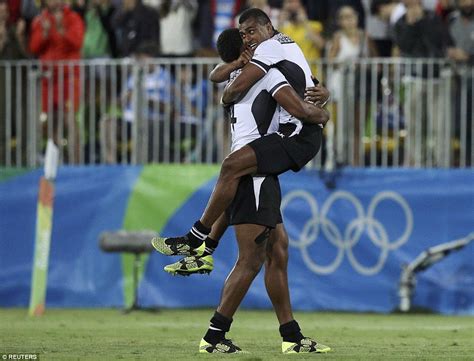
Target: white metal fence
<point>385,112</point>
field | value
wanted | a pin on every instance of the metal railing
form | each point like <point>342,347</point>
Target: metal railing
<point>385,112</point>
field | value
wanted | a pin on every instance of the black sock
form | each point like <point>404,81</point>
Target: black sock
<point>291,332</point>
<point>211,246</point>
<point>197,234</point>
<point>217,329</point>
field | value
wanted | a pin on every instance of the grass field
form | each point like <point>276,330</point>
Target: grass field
<point>174,335</point>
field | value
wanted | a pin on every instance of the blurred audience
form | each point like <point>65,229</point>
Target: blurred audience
<point>57,34</point>
<point>147,97</point>
<point>347,45</point>
<point>99,38</point>
<point>461,29</point>
<point>306,33</point>
<point>421,34</point>
<point>134,24</point>
<point>12,47</point>
<point>389,11</point>
<point>444,8</point>
<point>176,18</point>
<point>12,35</point>
<point>353,29</point>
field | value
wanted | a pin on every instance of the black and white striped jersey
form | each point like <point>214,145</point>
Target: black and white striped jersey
<point>256,114</point>
<point>284,54</point>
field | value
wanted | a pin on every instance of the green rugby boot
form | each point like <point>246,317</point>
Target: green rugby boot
<point>190,265</point>
<point>176,246</point>
<point>223,346</point>
<point>306,345</point>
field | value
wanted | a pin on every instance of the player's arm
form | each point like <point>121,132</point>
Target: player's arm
<point>222,71</point>
<point>248,77</point>
<point>266,54</point>
<point>287,97</point>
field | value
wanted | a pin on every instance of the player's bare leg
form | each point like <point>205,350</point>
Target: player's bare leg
<point>276,275</point>
<point>236,165</point>
<point>251,239</point>
<point>276,283</point>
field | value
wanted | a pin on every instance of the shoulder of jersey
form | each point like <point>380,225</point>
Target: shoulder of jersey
<point>282,38</point>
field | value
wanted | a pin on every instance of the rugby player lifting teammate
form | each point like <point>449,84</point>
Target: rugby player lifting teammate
<point>296,143</point>
<point>255,214</point>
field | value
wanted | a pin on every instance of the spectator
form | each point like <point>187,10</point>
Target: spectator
<point>389,11</point>
<point>12,36</point>
<point>444,8</point>
<point>177,14</point>
<point>306,33</point>
<point>192,112</point>
<point>204,27</point>
<point>147,97</point>
<point>421,34</point>
<point>12,47</point>
<point>57,34</point>
<point>223,13</point>
<point>461,29</point>
<point>29,9</point>
<point>99,39</point>
<point>135,24</point>
<point>347,45</point>
<point>335,5</point>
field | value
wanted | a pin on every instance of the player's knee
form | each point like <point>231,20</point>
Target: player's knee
<point>277,251</point>
<point>230,167</point>
<point>251,263</point>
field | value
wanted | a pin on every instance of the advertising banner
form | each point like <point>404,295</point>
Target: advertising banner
<point>350,235</point>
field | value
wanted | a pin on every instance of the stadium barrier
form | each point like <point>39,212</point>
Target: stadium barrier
<point>385,112</point>
<point>348,242</point>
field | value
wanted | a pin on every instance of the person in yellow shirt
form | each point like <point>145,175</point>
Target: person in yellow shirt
<point>293,21</point>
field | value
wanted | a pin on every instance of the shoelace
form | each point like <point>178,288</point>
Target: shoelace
<point>228,342</point>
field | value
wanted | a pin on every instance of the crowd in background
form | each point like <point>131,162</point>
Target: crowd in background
<point>73,29</point>
<point>340,30</point>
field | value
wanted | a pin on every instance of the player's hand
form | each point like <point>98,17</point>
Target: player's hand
<point>317,94</point>
<point>245,57</point>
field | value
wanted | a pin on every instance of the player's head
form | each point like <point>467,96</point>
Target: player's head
<point>229,45</point>
<point>255,26</point>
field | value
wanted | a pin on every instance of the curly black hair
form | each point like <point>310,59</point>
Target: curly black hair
<point>229,45</point>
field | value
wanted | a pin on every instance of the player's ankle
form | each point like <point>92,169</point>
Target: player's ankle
<point>217,329</point>
<point>291,332</point>
<point>197,234</point>
<point>211,246</point>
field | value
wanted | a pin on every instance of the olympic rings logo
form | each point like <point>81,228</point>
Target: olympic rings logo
<point>320,225</point>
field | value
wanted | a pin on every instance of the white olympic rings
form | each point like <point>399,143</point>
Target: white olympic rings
<point>345,241</point>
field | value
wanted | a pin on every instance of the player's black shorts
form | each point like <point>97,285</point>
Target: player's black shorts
<point>257,201</point>
<point>277,154</point>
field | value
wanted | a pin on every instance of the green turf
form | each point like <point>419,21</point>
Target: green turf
<point>175,334</point>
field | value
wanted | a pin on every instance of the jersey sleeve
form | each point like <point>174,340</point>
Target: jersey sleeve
<point>268,53</point>
<point>274,81</point>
